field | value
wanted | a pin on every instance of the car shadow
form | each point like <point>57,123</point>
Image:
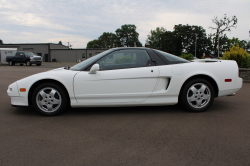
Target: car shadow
<point>88,111</point>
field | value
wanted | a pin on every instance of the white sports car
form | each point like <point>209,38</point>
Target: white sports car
<point>128,77</point>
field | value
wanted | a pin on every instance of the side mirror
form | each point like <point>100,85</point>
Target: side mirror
<point>94,69</point>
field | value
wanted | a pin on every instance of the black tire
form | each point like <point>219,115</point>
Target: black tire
<point>11,63</point>
<point>28,63</point>
<point>38,64</point>
<point>193,98</point>
<point>50,104</point>
<point>21,64</point>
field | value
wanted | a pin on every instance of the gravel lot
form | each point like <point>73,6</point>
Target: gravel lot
<point>164,135</point>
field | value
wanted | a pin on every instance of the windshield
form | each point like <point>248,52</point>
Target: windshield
<point>29,54</point>
<point>170,57</point>
<point>89,61</point>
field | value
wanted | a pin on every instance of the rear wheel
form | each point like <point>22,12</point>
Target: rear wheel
<point>50,99</point>
<point>197,95</point>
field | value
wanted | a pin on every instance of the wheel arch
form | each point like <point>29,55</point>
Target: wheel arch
<point>206,77</point>
<point>35,84</point>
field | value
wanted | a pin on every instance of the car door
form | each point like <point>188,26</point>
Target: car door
<point>125,76</point>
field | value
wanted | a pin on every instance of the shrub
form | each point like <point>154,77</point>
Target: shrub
<point>187,56</point>
<point>239,55</point>
<point>124,59</point>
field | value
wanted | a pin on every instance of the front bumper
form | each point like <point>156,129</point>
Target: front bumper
<point>36,62</point>
<point>14,94</point>
<point>19,101</point>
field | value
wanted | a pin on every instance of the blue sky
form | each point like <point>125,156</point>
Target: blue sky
<point>79,21</point>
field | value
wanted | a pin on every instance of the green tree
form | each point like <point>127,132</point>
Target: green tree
<point>127,36</point>
<point>222,25</point>
<point>108,40</point>
<point>94,44</point>
<point>1,42</point>
<point>156,38</point>
<point>171,44</point>
<point>188,37</point>
<point>60,42</point>
<point>246,44</point>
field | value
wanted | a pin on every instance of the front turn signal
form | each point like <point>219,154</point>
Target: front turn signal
<point>22,90</point>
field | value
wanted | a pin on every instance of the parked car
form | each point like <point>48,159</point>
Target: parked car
<point>128,77</point>
<point>26,57</point>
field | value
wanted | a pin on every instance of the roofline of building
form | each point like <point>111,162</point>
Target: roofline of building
<point>30,44</point>
<point>80,49</point>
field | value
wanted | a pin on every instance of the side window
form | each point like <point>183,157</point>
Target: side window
<point>18,54</point>
<point>125,59</point>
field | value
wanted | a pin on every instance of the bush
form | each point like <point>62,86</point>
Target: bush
<point>239,55</point>
<point>124,59</point>
<point>187,56</point>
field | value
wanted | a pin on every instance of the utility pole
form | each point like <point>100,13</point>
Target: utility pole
<point>218,47</point>
<point>196,43</point>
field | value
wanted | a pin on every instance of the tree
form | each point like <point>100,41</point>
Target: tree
<point>222,25</point>
<point>171,43</point>
<point>156,38</point>
<point>246,44</point>
<point>127,36</point>
<point>1,42</point>
<point>94,44</point>
<point>60,42</point>
<point>191,39</point>
<point>108,40</point>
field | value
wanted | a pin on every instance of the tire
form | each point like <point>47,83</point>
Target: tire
<point>38,64</point>
<point>50,99</point>
<point>197,95</point>
<point>11,63</point>
<point>21,64</point>
<point>28,63</point>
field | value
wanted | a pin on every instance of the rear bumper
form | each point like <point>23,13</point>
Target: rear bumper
<point>238,85</point>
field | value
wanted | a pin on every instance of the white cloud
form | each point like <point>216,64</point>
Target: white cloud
<point>81,21</point>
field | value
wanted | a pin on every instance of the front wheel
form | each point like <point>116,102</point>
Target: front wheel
<point>50,99</point>
<point>38,64</point>
<point>197,95</point>
<point>28,63</point>
<point>11,63</point>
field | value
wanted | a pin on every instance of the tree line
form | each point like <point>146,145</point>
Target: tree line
<point>189,39</point>
<point>126,36</point>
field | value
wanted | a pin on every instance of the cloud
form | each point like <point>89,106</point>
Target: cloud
<point>79,21</point>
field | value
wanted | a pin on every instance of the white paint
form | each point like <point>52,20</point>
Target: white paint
<point>133,87</point>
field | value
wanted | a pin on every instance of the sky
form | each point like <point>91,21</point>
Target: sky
<point>80,21</point>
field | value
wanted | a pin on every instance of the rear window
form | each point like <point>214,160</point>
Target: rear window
<point>170,57</point>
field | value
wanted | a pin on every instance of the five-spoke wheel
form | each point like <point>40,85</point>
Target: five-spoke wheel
<point>49,99</point>
<point>197,95</point>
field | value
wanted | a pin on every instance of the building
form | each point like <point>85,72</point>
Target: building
<point>73,55</point>
<point>55,52</point>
